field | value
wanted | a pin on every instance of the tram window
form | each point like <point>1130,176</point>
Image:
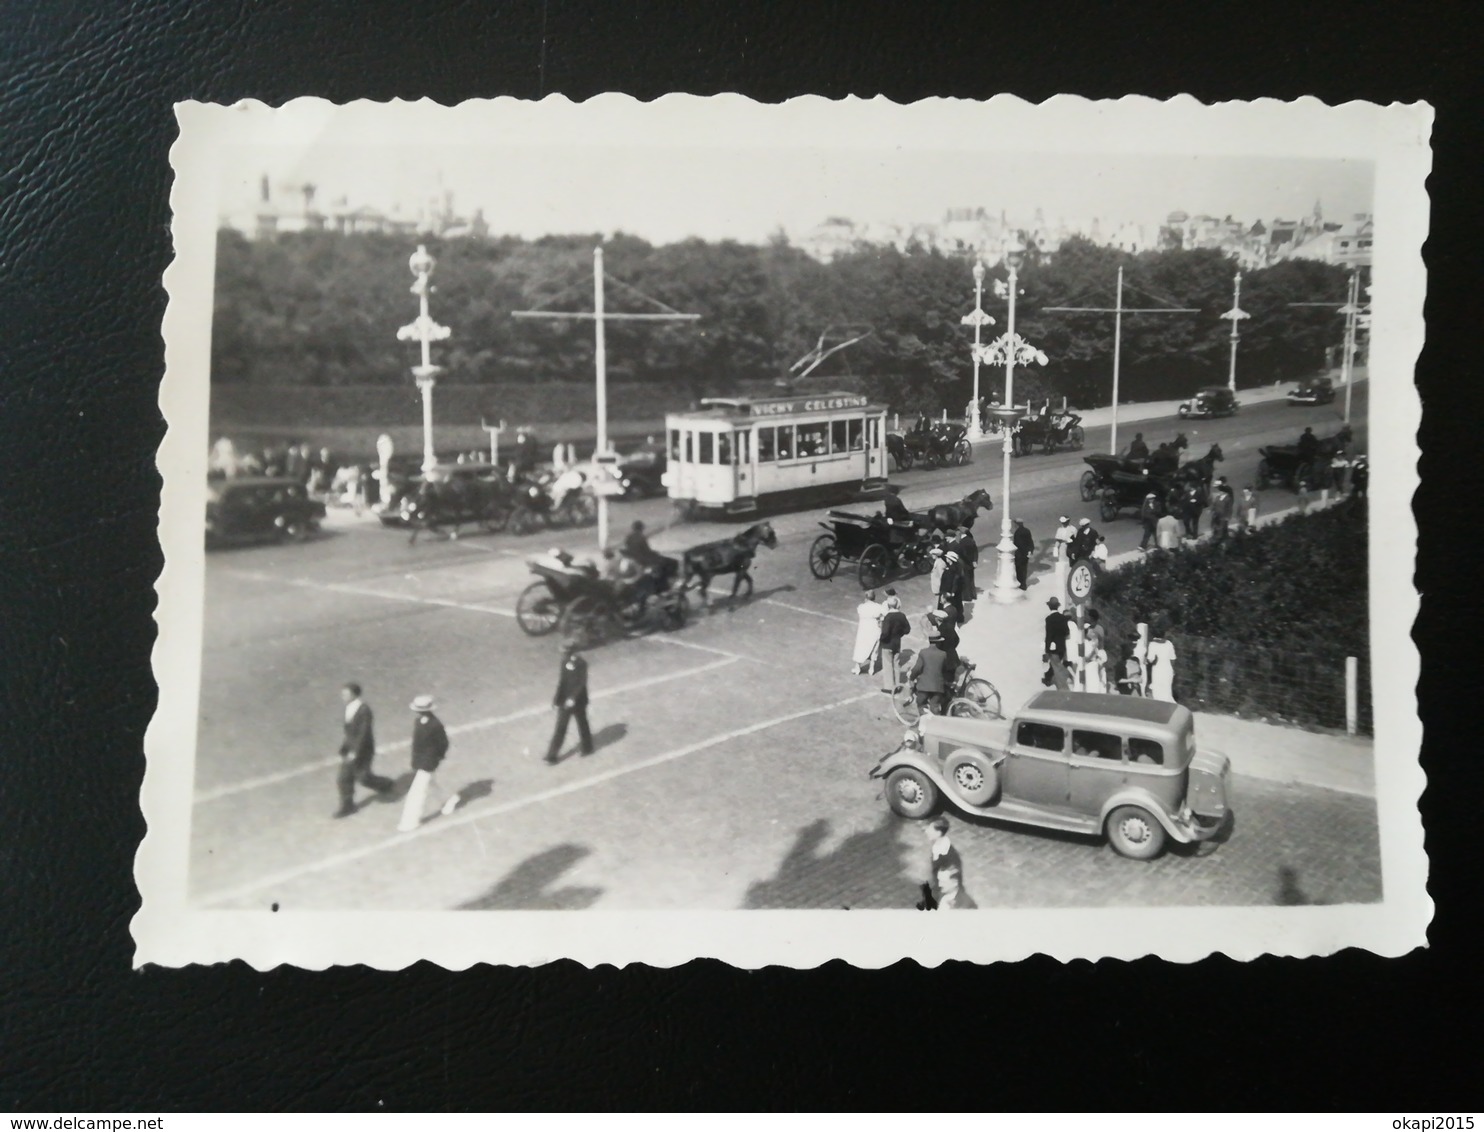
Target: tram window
<point>724,448</point>
<point>854,430</point>
<point>689,454</point>
<point>837,436</point>
<point>704,448</point>
<point>785,442</point>
<point>675,444</point>
<point>814,440</point>
<point>765,451</point>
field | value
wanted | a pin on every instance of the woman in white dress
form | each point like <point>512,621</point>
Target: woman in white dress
<point>867,634</point>
<point>1162,669</point>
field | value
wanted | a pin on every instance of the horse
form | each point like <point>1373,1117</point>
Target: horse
<point>947,516</point>
<point>1202,470</point>
<point>728,556</point>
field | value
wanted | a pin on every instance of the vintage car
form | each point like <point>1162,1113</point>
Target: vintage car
<point>256,508</point>
<point>641,472</point>
<point>1319,391</point>
<point>450,495</point>
<point>1074,761</point>
<point>1212,401</point>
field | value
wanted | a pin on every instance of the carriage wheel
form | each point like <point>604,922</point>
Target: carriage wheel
<point>875,566</point>
<point>1302,474</point>
<point>1078,436</point>
<point>582,510</point>
<point>495,519</point>
<point>1088,485</point>
<point>963,452</point>
<point>1108,506</point>
<point>522,521</point>
<point>587,622</point>
<point>824,557</point>
<point>1264,474</point>
<point>537,610</point>
<point>904,461</point>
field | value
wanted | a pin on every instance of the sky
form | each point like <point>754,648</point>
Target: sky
<point>746,191</point>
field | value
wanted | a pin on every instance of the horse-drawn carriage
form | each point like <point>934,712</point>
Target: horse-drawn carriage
<point>890,544</point>
<point>944,444</point>
<point>1128,483</point>
<point>451,495</point>
<point>1102,467</point>
<point>557,499</point>
<point>1048,432</point>
<point>1295,464</point>
<point>590,609</point>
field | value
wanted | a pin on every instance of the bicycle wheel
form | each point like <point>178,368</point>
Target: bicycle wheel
<point>979,691</point>
<point>904,704</point>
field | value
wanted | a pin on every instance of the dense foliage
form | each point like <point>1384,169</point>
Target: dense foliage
<point>1263,622</point>
<point>322,309</point>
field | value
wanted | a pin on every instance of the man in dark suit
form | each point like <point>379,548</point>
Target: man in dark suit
<point>356,752</point>
<point>1057,631</point>
<point>929,676</point>
<point>570,702</point>
<point>1025,544</point>
<point>429,747</point>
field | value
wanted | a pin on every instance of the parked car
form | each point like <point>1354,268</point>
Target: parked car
<point>1074,761</point>
<point>451,494</point>
<point>253,509</point>
<point>1212,401</point>
<point>1319,391</point>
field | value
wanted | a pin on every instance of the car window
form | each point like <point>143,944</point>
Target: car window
<point>1097,745</point>
<point>1042,736</point>
<point>1147,751</point>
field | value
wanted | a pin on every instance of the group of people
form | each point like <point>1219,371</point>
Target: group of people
<point>1080,655</point>
<point>295,461</point>
<point>430,744</point>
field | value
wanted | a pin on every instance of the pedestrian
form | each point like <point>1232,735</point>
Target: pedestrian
<point>558,457</point>
<point>1099,554</point>
<point>357,750</point>
<point>945,624</point>
<point>1149,512</point>
<point>1083,541</point>
<point>1162,669</point>
<point>1055,648</point>
<point>1247,519</point>
<point>1094,653</point>
<point>868,616</point>
<point>894,626</point>
<point>968,558</point>
<point>570,702</point>
<point>940,564</point>
<point>1076,657</point>
<point>429,747</point>
<point>1222,505</point>
<point>945,869</point>
<point>1024,545</point>
<point>1360,476</point>
<point>1064,534</point>
<point>1168,532</point>
<point>951,586</point>
<point>1339,468</point>
<point>928,676</point>
<point>1131,683</point>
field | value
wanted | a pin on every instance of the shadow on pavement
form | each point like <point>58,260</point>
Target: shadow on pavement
<point>1289,892</point>
<point>761,595</point>
<point>528,886</point>
<point>607,736</point>
<point>480,788</point>
<point>864,871</point>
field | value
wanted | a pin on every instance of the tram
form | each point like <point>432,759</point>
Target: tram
<point>736,455</point>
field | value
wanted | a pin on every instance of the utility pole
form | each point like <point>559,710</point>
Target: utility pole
<point>600,316</point>
<point>1118,310</point>
<point>1353,312</point>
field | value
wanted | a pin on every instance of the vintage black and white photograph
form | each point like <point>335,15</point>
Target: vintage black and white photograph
<point>652,514</point>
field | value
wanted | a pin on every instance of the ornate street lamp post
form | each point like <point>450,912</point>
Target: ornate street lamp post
<point>977,319</point>
<point>423,329</point>
<point>1006,350</point>
<point>1236,314</point>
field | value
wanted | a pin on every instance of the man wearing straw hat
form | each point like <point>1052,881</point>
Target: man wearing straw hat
<point>429,746</point>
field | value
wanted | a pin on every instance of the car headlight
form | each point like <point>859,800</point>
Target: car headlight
<point>909,738</point>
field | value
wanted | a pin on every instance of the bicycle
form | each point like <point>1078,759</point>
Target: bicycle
<point>972,697</point>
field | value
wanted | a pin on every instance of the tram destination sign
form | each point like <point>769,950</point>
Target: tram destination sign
<point>791,405</point>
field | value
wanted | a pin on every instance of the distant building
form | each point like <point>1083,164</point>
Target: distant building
<point>293,209</point>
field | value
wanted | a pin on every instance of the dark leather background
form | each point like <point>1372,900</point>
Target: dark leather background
<point>85,128</point>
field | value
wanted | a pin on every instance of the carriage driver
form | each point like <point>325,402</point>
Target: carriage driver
<point>569,483</point>
<point>658,570</point>
<point>896,510</point>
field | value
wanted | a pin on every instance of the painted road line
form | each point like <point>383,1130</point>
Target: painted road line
<point>350,856</point>
<point>812,612</point>
<point>364,591</point>
<point>218,793</point>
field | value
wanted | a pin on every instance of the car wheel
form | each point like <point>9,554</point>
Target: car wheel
<point>1088,486</point>
<point>972,777</point>
<point>824,557</point>
<point>294,530</point>
<point>1134,832</point>
<point>522,521</point>
<point>911,793</point>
